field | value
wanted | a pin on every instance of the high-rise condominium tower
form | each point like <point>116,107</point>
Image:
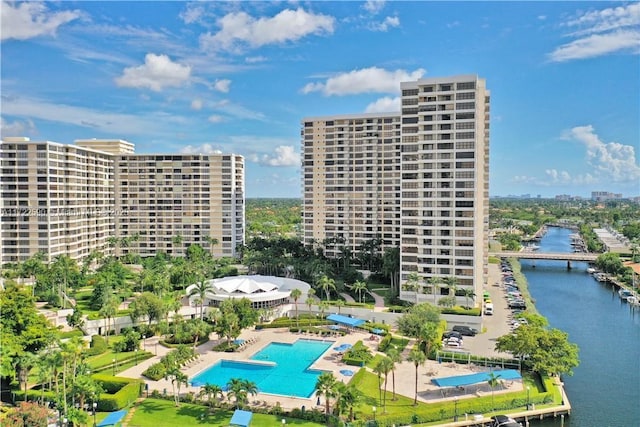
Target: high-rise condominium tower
<point>98,195</point>
<point>417,179</point>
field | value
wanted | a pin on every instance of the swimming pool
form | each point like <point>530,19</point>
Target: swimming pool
<point>278,368</point>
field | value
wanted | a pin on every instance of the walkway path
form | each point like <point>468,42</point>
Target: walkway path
<point>347,297</point>
<point>127,418</point>
<point>379,300</point>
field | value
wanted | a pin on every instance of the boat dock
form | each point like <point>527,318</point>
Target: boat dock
<point>560,411</point>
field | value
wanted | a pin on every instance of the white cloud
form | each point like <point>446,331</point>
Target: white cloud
<point>389,22</point>
<point>254,59</point>
<point>111,123</point>
<point>201,149</point>
<point>31,19</point>
<point>239,29</point>
<point>222,85</point>
<point>607,19</point>
<point>384,105</point>
<point>542,17</point>
<point>600,33</point>
<point>215,118</point>
<point>365,80</point>
<point>611,161</point>
<point>284,155</point>
<point>157,73</point>
<point>197,104</point>
<point>598,45</point>
<point>373,6</point>
<point>16,128</point>
<point>192,13</point>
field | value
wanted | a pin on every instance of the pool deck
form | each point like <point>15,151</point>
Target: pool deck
<point>328,361</point>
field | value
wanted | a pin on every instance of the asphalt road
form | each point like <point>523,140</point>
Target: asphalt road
<point>494,326</point>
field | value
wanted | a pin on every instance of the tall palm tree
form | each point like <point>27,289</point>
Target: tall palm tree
<point>212,241</point>
<point>177,379</point>
<point>492,381</point>
<point>418,358</point>
<point>326,385</point>
<point>358,287</point>
<point>109,310</point>
<point>327,285</point>
<point>394,356</point>
<point>435,282</point>
<point>348,397</point>
<point>240,389</point>
<point>452,285</point>
<point>386,366</point>
<point>176,242</point>
<point>310,301</point>
<point>201,289</point>
<point>413,281</point>
<point>295,295</point>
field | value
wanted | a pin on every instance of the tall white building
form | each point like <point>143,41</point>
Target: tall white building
<point>71,199</point>
<point>417,179</point>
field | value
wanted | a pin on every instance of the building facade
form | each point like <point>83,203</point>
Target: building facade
<point>418,179</point>
<point>351,181</point>
<point>72,199</point>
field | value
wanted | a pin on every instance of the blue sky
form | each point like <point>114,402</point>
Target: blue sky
<point>239,77</point>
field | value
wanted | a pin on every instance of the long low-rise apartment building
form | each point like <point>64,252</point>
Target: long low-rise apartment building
<point>72,199</point>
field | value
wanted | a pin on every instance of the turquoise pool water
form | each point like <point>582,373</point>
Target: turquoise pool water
<point>278,369</point>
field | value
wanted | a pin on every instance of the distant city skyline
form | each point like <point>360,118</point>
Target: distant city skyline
<point>238,77</point>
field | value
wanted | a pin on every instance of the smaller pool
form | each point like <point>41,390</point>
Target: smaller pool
<point>277,369</point>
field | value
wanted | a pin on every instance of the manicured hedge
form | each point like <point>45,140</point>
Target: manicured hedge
<point>98,346</point>
<point>358,355</point>
<point>123,398</point>
<point>384,343</point>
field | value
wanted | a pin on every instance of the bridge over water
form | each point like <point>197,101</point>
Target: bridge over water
<point>553,256</point>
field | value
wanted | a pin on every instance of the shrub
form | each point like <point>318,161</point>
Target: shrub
<point>358,355</point>
<point>384,343</point>
<point>155,372</point>
<point>98,346</point>
<point>124,397</point>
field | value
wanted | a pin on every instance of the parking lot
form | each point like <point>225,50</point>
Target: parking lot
<point>497,325</point>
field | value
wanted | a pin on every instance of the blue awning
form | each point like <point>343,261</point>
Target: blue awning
<point>482,377</point>
<point>112,419</point>
<point>241,418</point>
<point>345,320</point>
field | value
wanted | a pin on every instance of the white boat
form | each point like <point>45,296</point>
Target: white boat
<point>592,270</point>
<point>625,294</point>
<point>632,299</point>
<point>600,277</point>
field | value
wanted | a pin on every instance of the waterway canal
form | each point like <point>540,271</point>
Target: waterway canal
<point>605,388</point>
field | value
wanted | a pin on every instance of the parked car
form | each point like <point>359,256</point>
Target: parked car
<point>488,309</point>
<point>465,330</point>
<point>451,334</point>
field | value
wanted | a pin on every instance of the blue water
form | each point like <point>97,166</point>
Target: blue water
<point>605,388</point>
<point>285,370</point>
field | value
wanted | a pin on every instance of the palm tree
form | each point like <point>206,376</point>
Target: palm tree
<point>386,366</point>
<point>295,294</point>
<point>323,306</point>
<point>412,283</point>
<point>212,241</point>
<point>452,285</point>
<point>394,356</point>
<point>109,310</point>
<point>493,382</point>
<point>310,301</point>
<point>468,293</point>
<point>176,241</point>
<point>250,387</point>
<point>435,282</point>
<point>326,385</point>
<point>212,391</point>
<point>177,379</point>
<point>348,397</point>
<point>201,289</point>
<point>378,370</point>
<point>240,389</point>
<point>358,287</point>
<point>327,285</point>
<point>339,303</point>
<point>418,358</point>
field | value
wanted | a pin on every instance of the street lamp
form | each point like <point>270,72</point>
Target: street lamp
<point>136,355</point>
<point>114,366</point>
<point>284,421</point>
<point>95,406</point>
<point>528,401</point>
<point>455,409</point>
<point>373,408</point>
<point>144,346</point>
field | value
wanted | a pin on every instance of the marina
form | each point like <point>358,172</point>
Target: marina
<point>605,384</point>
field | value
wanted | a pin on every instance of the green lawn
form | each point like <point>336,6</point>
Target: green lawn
<point>158,412</point>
